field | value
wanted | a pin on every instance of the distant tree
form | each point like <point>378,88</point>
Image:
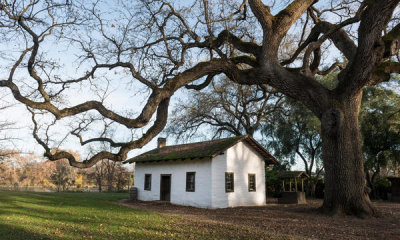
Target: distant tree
<point>296,135</point>
<point>110,170</point>
<point>79,180</point>
<point>380,128</point>
<point>6,140</point>
<point>63,175</point>
<point>225,109</point>
<point>110,174</point>
<point>99,174</point>
<point>23,170</point>
<point>272,181</point>
<point>9,173</point>
<point>122,177</point>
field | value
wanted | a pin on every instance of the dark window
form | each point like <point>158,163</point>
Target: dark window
<point>252,182</point>
<point>147,182</point>
<point>190,181</point>
<point>229,179</point>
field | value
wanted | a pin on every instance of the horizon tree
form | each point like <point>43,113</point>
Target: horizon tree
<point>162,46</point>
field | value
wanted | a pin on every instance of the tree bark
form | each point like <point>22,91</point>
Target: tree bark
<point>345,188</point>
<point>99,183</point>
<point>313,188</point>
<point>310,187</point>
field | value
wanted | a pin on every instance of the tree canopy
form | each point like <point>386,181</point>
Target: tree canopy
<point>380,127</point>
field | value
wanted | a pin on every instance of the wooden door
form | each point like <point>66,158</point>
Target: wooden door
<point>165,187</point>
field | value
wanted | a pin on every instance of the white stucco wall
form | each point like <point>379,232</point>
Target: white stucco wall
<point>241,159</point>
<point>200,198</point>
<point>218,168</point>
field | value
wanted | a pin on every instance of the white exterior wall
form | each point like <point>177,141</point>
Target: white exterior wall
<point>218,168</point>
<point>200,198</point>
<point>241,159</point>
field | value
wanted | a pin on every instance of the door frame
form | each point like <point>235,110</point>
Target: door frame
<point>170,185</point>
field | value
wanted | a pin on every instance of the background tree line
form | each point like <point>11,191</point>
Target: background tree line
<point>19,172</point>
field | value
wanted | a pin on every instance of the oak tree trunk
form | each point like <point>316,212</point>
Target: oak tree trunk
<point>345,188</point>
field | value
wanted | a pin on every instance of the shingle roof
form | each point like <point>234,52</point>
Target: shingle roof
<point>200,150</point>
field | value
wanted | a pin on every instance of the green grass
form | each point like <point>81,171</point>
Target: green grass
<point>98,216</point>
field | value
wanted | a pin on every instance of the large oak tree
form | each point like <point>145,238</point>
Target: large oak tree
<point>166,45</point>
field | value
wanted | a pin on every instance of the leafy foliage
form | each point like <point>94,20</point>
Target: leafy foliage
<point>380,127</point>
<point>296,134</point>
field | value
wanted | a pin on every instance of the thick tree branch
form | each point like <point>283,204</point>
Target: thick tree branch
<point>158,95</point>
<point>288,16</point>
<point>392,41</point>
<point>371,47</point>
<point>202,85</point>
<point>226,37</point>
<point>316,97</point>
<point>338,36</point>
<point>383,72</point>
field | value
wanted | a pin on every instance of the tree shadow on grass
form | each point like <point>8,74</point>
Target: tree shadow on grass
<point>63,216</point>
<point>16,233</point>
<point>75,217</point>
<point>84,200</point>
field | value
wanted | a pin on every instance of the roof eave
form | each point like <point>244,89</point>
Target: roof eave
<point>166,160</point>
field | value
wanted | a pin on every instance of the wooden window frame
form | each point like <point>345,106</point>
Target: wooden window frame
<point>145,177</point>
<point>233,182</point>
<point>194,181</point>
<point>255,183</point>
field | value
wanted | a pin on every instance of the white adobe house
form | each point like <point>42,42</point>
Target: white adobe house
<point>222,173</point>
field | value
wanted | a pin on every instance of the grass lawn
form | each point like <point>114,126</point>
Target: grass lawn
<point>98,216</point>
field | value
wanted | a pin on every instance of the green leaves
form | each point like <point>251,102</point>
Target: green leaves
<point>297,135</point>
<point>380,127</point>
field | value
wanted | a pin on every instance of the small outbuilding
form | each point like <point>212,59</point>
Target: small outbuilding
<point>290,190</point>
<point>221,173</point>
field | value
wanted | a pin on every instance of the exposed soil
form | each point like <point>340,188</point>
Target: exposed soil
<point>289,221</point>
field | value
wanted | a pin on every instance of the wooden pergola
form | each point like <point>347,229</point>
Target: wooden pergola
<point>293,176</point>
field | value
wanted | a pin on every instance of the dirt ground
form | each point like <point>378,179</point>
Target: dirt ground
<point>290,221</point>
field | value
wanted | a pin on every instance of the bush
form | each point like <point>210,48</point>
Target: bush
<point>382,187</point>
<point>320,189</point>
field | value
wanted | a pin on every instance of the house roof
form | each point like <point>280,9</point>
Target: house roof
<point>200,150</point>
<point>293,174</point>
